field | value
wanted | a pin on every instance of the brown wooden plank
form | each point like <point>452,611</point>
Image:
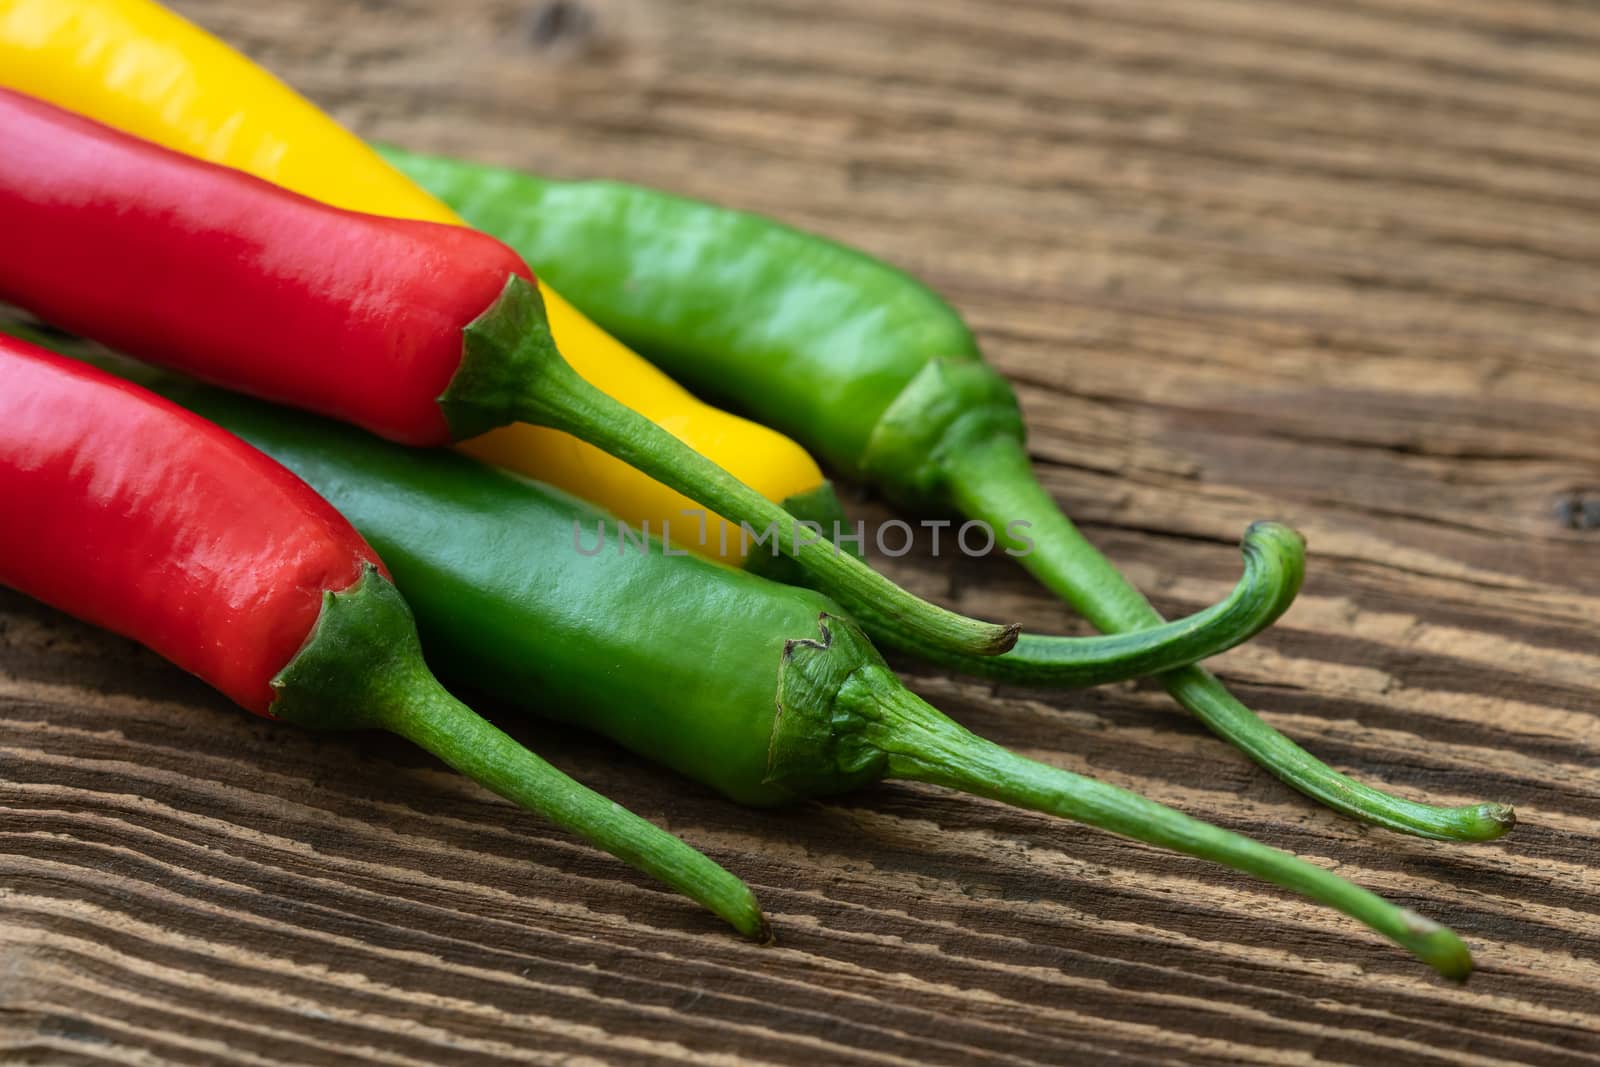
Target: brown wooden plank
<point>1336,263</point>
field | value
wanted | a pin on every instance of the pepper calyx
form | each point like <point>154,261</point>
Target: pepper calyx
<point>360,655</point>
<point>506,353</point>
<point>817,746</point>
<point>950,406</point>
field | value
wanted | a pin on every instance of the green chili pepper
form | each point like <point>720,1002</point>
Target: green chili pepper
<point>876,373</point>
<point>762,690</point>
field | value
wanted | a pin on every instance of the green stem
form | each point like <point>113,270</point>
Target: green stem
<point>434,720</point>
<point>362,668</point>
<point>1274,566</point>
<point>923,745</point>
<point>512,373</point>
<point>996,483</point>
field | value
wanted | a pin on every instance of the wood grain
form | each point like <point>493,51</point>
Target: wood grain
<point>1334,263</point>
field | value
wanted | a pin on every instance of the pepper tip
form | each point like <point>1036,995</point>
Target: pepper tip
<point>1502,818</point>
<point>1004,639</point>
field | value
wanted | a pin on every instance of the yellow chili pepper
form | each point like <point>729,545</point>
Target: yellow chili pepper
<point>135,65</point>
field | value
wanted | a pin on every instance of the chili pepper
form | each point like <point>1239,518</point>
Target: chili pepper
<point>761,690</point>
<point>138,67</point>
<point>879,375</point>
<point>141,68</point>
<point>422,332</point>
<point>130,513</point>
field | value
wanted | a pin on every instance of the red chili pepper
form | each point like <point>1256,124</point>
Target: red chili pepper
<point>142,518</point>
<point>234,280</point>
<point>419,331</point>
<point>129,512</point>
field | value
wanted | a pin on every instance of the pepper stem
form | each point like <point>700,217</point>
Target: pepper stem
<point>434,720</point>
<point>1274,564</point>
<point>995,482</point>
<point>362,668</point>
<point>921,744</point>
<point>512,373</point>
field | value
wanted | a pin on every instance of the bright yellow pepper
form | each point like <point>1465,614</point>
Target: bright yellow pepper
<point>135,65</point>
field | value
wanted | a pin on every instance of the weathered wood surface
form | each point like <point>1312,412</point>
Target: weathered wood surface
<point>1332,263</point>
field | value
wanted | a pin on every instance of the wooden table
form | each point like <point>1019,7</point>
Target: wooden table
<point>1335,263</point>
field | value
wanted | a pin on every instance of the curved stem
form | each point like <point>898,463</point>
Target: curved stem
<point>923,745</point>
<point>361,667</point>
<point>513,373</point>
<point>433,719</point>
<point>1274,558</point>
<point>996,483</point>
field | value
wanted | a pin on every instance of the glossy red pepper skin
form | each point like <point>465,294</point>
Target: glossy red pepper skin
<point>129,512</point>
<point>234,280</point>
